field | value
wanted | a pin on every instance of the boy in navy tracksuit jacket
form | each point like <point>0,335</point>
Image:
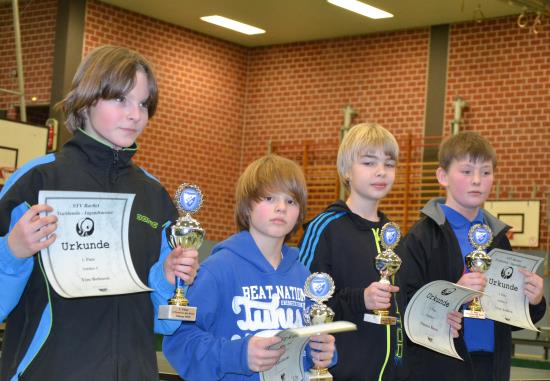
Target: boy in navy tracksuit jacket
<point>251,285</point>
<point>52,338</point>
<point>435,248</point>
<point>343,242</point>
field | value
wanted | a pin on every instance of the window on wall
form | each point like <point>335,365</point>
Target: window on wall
<point>35,114</point>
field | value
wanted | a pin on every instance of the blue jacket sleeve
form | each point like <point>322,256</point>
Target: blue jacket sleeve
<point>162,289</point>
<point>14,272</point>
<point>193,350</point>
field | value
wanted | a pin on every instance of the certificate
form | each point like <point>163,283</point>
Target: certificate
<point>504,299</point>
<point>91,255</point>
<point>291,366</point>
<point>426,315</point>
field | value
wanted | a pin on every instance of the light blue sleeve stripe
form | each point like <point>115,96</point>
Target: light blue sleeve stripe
<point>312,227</point>
<point>314,239</point>
<point>14,272</point>
<point>38,340</point>
<point>24,169</point>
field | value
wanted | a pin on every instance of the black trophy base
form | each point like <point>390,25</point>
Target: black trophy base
<point>316,375</point>
<point>172,312</point>
<point>380,319</point>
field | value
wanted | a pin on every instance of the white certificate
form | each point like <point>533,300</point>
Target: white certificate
<point>291,366</point>
<point>426,315</point>
<point>504,299</point>
<point>91,255</point>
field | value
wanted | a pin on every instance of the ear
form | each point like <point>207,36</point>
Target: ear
<point>441,175</point>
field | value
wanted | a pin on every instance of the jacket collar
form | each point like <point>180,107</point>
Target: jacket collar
<point>98,153</point>
<point>433,211</point>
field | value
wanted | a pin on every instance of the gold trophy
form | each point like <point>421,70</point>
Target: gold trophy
<point>319,287</point>
<point>387,263</point>
<point>187,233</point>
<point>480,237</point>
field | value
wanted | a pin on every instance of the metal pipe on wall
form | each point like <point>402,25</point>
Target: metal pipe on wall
<point>19,59</point>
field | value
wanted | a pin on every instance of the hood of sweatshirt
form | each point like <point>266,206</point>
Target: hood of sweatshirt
<point>244,247</point>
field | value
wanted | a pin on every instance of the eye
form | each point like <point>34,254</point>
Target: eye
<point>291,201</point>
<point>268,198</point>
<point>120,99</point>
<point>466,171</point>
<point>390,163</point>
<point>144,105</point>
<point>368,163</point>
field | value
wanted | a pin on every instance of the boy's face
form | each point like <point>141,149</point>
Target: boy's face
<point>119,122</point>
<point>273,217</point>
<point>468,184</point>
<point>372,174</point>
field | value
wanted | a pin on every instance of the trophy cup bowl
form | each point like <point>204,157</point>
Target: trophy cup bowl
<point>186,233</point>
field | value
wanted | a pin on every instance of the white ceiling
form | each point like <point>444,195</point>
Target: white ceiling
<point>303,20</point>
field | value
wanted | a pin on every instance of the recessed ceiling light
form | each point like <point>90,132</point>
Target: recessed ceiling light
<point>232,24</point>
<point>361,8</point>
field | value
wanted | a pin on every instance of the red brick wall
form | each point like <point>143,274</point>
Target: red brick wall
<point>296,92</point>
<point>195,136</point>
<point>503,72</point>
<point>37,26</point>
<point>221,104</point>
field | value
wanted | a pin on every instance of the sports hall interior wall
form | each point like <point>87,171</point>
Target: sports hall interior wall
<point>221,104</point>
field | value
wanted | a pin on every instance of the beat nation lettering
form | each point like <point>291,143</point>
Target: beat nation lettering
<point>66,246</point>
<point>443,302</point>
<point>507,286</point>
<point>269,307</point>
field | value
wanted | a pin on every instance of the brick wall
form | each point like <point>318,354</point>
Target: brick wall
<point>37,26</point>
<point>195,136</point>
<point>503,72</point>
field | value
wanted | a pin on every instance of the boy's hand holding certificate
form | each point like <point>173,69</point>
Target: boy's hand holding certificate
<point>426,315</point>
<point>91,255</point>
<point>291,367</point>
<point>504,299</point>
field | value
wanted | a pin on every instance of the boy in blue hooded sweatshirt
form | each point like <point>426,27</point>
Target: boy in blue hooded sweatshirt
<point>251,284</point>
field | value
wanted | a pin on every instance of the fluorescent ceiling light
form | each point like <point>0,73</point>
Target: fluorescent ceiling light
<point>232,24</point>
<point>361,8</point>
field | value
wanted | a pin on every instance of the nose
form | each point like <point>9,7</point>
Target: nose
<point>476,178</point>
<point>381,170</point>
<point>133,112</point>
<point>280,206</point>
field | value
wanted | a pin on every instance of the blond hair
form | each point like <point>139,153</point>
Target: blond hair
<point>108,72</point>
<point>466,144</point>
<point>359,138</point>
<point>270,173</point>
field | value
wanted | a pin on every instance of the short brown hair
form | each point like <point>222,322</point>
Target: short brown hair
<point>108,72</point>
<point>360,137</point>
<point>466,144</point>
<point>270,173</point>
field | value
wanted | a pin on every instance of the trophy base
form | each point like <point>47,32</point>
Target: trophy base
<point>315,375</point>
<point>171,312</point>
<point>474,314</point>
<point>380,319</point>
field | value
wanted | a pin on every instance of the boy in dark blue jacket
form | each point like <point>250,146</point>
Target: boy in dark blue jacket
<point>251,285</point>
<point>435,249</point>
